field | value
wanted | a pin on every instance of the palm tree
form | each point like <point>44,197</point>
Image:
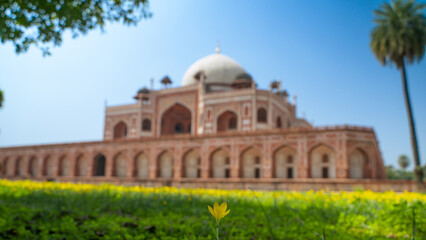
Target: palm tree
<point>399,37</point>
<point>166,81</point>
<point>403,161</point>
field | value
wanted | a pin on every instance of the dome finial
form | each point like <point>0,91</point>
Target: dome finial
<point>218,47</point>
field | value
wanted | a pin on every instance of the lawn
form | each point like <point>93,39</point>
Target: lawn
<point>33,210</point>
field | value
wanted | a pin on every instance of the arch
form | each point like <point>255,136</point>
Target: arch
<point>176,120</point>
<point>278,123</point>
<point>220,164</point>
<point>358,164</point>
<point>5,166</point>
<point>99,163</point>
<point>191,164</point>
<point>19,167</point>
<point>64,166</point>
<point>322,162</point>
<point>227,121</point>
<point>165,165</point>
<point>262,115</point>
<point>80,166</point>
<point>47,169</point>
<point>285,162</point>
<point>250,163</point>
<point>120,165</point>
<point>330,146</point>
<point>120,130</point>
<point>141,165</point>
<point>146,125</point>
<point>8,167</point>
<point>33,166</point>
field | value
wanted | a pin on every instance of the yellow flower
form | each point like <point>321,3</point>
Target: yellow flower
<point>219,211</point>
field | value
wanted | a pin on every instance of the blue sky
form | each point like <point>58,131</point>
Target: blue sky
<point>319,49</point>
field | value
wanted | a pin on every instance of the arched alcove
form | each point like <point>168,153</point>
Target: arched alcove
<point>141,165</point>
<point>120,165</point>
<point>220,164</point>
<point>99,163</point>
<point>227,121</point>
<point>80,166</point>
<point>285,163</point>
<point>192,164</point>
<point>165,165</point>
<point>176,120</point>
<point>322,162</point>
<point>120,130</point>
<point>262,115</point>
<point>357,164</point>
<point>33,166</point>
<point>19,167</point>
<point>64,166</point>
<point>250,166</point>
<point>146,125</point>
<point>47,167</point>
<point>5,166</point>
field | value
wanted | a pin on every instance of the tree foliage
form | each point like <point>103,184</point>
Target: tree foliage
<point>1,98</point>
<point>42,23</point>
<point>401,174</point>
<point>398,174</point>
<point>403,162</point>
<point>400,32</point>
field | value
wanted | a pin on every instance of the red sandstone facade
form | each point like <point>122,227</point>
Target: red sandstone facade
<point>217,130</point>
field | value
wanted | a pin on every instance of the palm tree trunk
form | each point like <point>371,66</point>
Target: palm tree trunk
<point>418,174</point>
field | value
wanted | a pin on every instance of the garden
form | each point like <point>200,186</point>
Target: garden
<point>47,210</point>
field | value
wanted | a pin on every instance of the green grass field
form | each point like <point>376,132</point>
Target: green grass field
<point>30,210</point>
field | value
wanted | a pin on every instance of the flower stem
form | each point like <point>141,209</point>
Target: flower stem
<point>217,230</point>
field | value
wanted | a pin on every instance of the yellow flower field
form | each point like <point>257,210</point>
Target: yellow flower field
<point>32,210</point>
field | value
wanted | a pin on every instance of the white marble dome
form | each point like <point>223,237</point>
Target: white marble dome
<point>217,68</point>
